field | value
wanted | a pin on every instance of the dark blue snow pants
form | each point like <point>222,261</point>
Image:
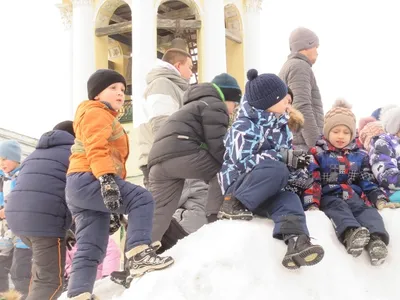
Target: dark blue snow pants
<point>92,221</point>
<point>260,191</point>
<point>353,213</point>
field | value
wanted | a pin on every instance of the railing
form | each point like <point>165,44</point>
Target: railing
<point>126,115</point>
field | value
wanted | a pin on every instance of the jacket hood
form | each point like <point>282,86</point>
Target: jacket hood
<point>199,91</point>
<point>166,70</point>
<point>55,138</point>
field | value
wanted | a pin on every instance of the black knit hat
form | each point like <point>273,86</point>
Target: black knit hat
<point>65,126</point>
<point>229,87</point>
<point>265,90</point>
<point>101,79</point>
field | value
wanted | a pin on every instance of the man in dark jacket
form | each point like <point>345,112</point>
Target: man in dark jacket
<point>190,146</point>
<point>37,212</point>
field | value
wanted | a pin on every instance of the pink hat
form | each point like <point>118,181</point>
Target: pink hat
<point>365,121</point>
<point>372,129</point>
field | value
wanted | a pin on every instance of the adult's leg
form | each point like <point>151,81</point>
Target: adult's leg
<point>21,270</point>
<point>47,267</point>
<point>5,266</point>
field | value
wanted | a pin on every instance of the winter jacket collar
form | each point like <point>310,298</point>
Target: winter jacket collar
<point>300,56</point>
<point>327,146</point>
<point>200,91</point>
<point>261,117</point>
<point>169,72</point>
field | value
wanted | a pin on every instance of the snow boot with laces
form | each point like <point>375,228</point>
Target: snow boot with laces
<point>125,277</point>
<point>301,252</point>
<point>377,250</point>
<point>233,209</point>
<point>355,239</point>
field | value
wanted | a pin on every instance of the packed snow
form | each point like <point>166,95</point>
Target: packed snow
<point>240,260</point>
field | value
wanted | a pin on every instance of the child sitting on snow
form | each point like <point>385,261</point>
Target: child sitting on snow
<point>96,188</point>
<point>255,169</point>
<point>385,155</point>
<point>344,186</point>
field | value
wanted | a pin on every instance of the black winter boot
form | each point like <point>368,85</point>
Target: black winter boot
<point>174,233</point>
<point>301,252</point>
<point>233,209</point>
<point>377,250</point>
<point>355,239</point>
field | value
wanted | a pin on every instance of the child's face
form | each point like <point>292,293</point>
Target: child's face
<point>7,165</point>
<point>340,136</point>
<point>398,134</point>
<point>231,106</point>
<point>282,106</point>
<point>113,94</point>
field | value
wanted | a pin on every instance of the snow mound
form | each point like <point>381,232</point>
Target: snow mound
<point>241,260</point>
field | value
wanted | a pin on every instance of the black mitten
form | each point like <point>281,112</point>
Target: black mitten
<point>110,192</point>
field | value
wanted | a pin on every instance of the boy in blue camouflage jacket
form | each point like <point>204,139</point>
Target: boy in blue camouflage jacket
<point>255,168</point>
<point>344,186</point>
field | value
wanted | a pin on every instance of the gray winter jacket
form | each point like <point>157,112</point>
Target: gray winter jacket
<point>163,96</point>
<point>298,75</point>
<point>200,124</point>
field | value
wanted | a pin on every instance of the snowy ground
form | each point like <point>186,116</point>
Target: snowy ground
<point>240,260</point>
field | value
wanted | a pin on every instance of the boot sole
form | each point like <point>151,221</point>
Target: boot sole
<point>308,257</point>
<point>223,215</point>
<point>378,254</point>
<point>358,241</point>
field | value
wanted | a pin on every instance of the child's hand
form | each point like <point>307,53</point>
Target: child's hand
<point>110,192</point>
<point>381,204</point>
<point>313,207</point>
<point>2,213</point>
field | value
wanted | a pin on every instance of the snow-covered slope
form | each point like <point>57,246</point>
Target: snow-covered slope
<point>240,260</point>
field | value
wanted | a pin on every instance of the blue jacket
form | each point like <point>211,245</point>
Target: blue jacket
<point>255,135</point>
<point>37,206</point>
<point>341,172</point>
<point>7,184</point>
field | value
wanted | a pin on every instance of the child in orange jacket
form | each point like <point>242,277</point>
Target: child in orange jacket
<point>96,188</point>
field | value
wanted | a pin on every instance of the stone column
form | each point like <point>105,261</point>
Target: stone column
<point>252,34</point>
<point>144,44</point>
<point>66,17</point>
<point>213,39</point>
<point>83,58</point>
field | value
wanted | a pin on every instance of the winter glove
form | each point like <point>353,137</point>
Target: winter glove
<point>297,159</point>
<point>70,239</point>
<point>381,204</point>
<point>110,192</point>
<point>115,223</point>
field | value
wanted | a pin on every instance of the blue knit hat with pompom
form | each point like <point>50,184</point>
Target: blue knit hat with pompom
<point>265,90</point>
